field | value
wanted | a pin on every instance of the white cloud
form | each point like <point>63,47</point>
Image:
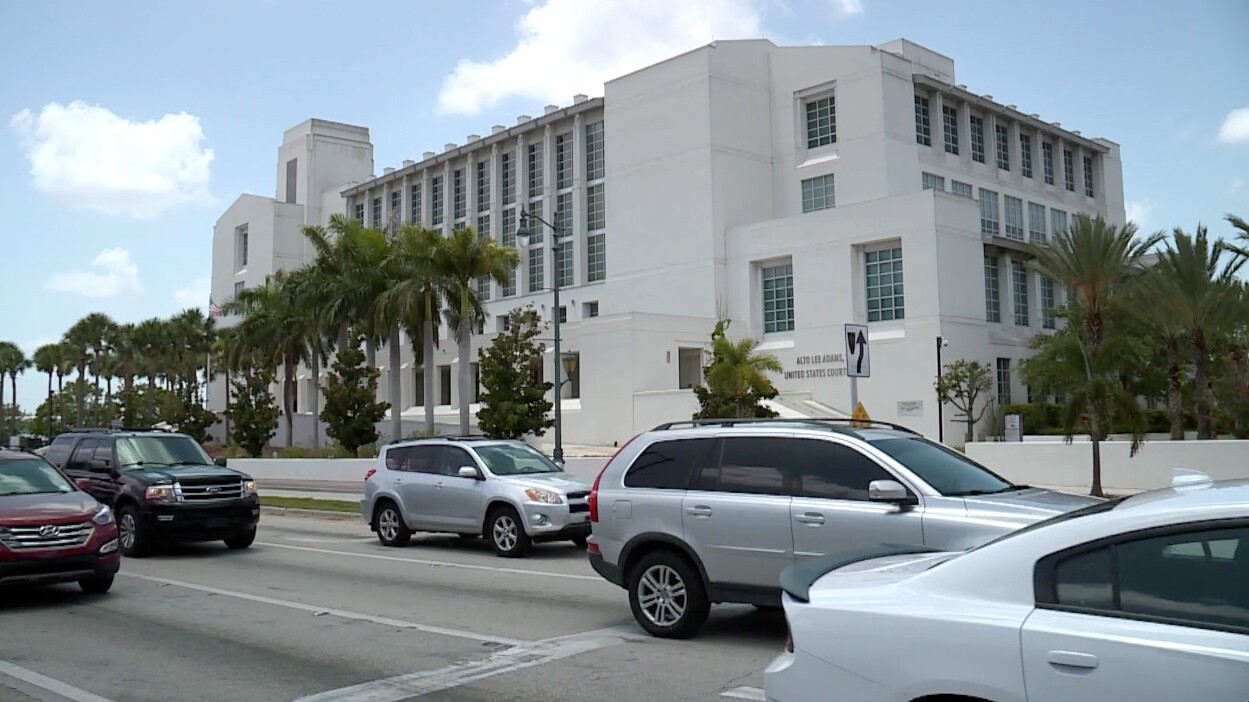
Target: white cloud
<point>849,7</point>
<point>1235,129</point>
<point>86,157</point>
<point>1138,211</point>
<point>567,47</point>
<point>115,275</point>
<point>194,294</point>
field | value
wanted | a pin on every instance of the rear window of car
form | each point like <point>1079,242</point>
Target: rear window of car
<point>667,465</point>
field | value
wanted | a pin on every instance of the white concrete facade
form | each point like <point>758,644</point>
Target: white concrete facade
<point>791,189</point>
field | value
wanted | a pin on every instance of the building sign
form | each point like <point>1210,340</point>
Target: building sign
<point>825,365</point>
<point>910,408</point>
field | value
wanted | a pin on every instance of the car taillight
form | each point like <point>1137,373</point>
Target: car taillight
<point>594,490</point>
<point>369,474</point>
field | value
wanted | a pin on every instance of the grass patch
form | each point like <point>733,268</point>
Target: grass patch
<point>310,503</point>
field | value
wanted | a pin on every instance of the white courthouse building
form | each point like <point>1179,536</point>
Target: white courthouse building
<point>790,189</point>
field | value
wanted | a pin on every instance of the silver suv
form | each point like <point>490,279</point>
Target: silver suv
<point>702,512</point>
<point>474,486</point>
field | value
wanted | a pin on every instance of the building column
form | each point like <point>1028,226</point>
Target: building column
<point>964,133</point>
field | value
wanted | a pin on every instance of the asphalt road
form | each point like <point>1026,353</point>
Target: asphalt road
<point>318,611</point>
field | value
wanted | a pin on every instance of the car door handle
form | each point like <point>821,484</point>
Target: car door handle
<point>398,481</point>
<point>438,485</point>
<point>699,511</point>
<point>1072,659</point>
<point>812,518</point>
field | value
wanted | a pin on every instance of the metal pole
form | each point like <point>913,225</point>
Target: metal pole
<point>854,394</point>
<point>559,438</point>
<point>940,405</point>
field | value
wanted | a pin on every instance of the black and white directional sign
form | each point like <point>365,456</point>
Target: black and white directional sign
<point>858,360</point>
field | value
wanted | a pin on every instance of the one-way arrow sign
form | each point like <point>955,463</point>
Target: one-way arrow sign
<point>858,360</point>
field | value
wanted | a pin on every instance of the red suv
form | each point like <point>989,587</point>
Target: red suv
<point>51,531</point>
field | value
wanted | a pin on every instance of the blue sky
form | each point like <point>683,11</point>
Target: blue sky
<point>126,128</point>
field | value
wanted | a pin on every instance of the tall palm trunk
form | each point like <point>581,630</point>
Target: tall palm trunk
<point>151,392</point>
<point>395,390</point>
<point>314,365</point>
<point>60,397</point>
<point>465,341</point>
<point>98,404</point>
<point>127,397</point>
<point>288,399</point>
<point>80,392</point>
<point>4,418</point>
<point>427,369</point>
<point>1201,382</point>
<point>13,398</point>
<point>1095,429</point>
<point>1175,399</point>
<point>108,398</point>
<point>50,405</point>
<point>1094,327</point>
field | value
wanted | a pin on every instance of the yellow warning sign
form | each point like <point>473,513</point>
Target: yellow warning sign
<point>859,418</point>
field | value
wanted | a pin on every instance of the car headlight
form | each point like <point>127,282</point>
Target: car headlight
<point>160,493</point>
<point>104,516</point>
<point>546,497</point>
<point>249,488</point>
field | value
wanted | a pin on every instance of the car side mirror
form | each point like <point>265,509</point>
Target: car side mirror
<point>221,462</point>
<point>99,465</point>
<point>890,491</point>
<point>469,472</point>
<point>83,484</point>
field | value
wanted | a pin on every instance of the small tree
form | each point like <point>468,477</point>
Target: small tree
<point>513,395</point>
<point>351,408</point>
<point>253,411</point>
<point>961,384</point>
<point>736,379</point>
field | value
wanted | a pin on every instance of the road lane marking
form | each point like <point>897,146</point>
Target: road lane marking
<point>43,682</point>
<point>317,610</point>
<point>442,564</point>
<point>402,687</point>
<point>745,693</point>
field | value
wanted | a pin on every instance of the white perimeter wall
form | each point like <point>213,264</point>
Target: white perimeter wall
<point>1069,467</point>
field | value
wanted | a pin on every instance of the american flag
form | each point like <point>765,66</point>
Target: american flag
<point>214,310</point>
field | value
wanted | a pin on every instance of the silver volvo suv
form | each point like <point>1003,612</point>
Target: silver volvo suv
<point>474,486</point>
<point>700,512</point>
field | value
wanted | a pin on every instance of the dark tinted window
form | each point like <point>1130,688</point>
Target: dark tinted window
<point>1085,580</point>
<point>1197,578</point>
<point>454,458</point>
<point>81,459</point>
<point>754,465</point>
<point>667,465</point>
<point>414,459</point>
<point>1200,577</point>
<point>947,471</point>
<point>833,471</point>
<point>58,452</point>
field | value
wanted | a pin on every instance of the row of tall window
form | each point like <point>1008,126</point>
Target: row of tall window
<point>484,183</point>
<point>1020,278</point>
<point>882,269</point>
<point>1001,142</point>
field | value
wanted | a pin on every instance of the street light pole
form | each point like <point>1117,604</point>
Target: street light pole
<point>525,231</point>
<point>940,405</point>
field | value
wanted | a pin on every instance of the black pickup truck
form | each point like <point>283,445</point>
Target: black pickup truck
<point>162,486</point>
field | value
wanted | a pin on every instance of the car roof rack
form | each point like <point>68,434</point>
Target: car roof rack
<point>837,423</point>
<point>450,437</point>
<point>113,430</point>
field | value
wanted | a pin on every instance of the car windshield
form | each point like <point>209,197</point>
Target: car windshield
<point>31,476</point>
<point>504,459</point>
<point>139,451</point>
<point>948,472</point>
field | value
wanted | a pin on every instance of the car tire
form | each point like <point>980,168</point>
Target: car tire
<point>667,596</point>
<point>581,542</point>
<point>507,534</point>
<point>97,585</point>
<point>241,541</point>
<point>392,531</point>
<point>131,534</point>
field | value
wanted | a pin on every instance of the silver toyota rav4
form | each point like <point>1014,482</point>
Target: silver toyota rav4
<point>695,513</point>
<point>504,490</point>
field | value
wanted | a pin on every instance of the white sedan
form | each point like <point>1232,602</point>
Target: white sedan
<point>1142,598</point>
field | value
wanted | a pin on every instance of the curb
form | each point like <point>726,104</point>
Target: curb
<point>311,514</point>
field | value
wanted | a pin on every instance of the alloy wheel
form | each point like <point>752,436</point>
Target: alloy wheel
<point>127,529</point>
<point>662,595</point>
<point>388,524</point>
<point>505,532</point>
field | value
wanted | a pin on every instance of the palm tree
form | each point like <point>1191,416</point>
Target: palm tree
<point>464,259</point>
<point>64,365</point>
<point>1155,313</point>
<point>1094,261</point>
<point>1194,286</point>
<point>11,358</point>
<point>276,327</point>
<point>414,297</point>
<point>47,359</point>
<point>123,343</point>
<point>77,342</point>
<point>739,370</point>
<point>151,341</point>
<point>1241,248</point>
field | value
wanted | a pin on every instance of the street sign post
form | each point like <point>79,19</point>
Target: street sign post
<point>858,359</point>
